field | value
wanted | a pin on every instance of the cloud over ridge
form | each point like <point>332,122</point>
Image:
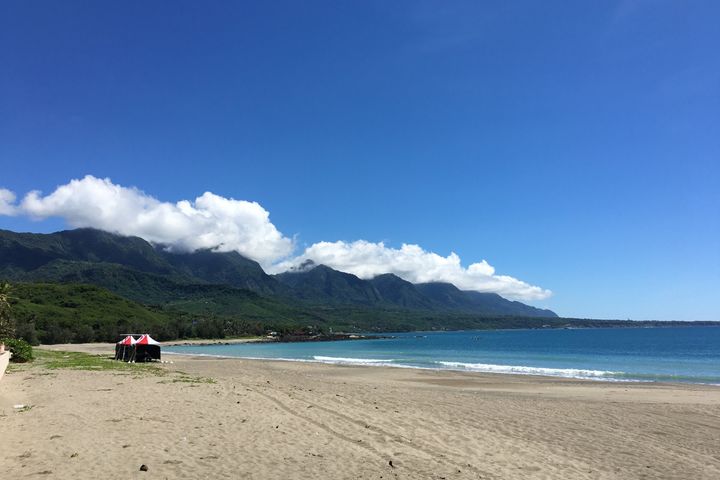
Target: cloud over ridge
<point>210,221</point>
<point>412,263</point>
<point>225,224</point>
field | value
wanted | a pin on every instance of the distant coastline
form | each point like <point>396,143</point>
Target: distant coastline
<point>332,337</point>
<point>379,336</point>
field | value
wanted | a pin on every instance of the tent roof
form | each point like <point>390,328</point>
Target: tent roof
<point>147,340</point>
<point>129,340</point>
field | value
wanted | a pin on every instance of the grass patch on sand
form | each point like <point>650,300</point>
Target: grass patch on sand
<point>53,360</point>
<point>46,361</point>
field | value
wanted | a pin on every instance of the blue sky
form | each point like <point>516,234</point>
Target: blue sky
<point>573,145</point>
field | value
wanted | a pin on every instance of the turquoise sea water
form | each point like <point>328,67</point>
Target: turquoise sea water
<point>686,354</point>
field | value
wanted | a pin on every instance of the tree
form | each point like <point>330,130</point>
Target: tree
<point>7,324</point>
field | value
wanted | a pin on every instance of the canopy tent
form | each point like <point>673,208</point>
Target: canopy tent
<point>147,340</point>
<point>124,349</point>
<point>146,349</point>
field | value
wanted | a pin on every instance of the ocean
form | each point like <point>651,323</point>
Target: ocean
<point>682,354</point>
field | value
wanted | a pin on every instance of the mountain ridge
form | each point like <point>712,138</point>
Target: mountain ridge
<point>137,269</point>
<point>69,287</point>
<point>388,289</point>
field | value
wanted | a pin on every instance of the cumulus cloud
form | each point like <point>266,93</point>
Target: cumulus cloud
<point>225,224</point>
<point>210,221</point>
<point>412,263</point>
<point>7,201</point>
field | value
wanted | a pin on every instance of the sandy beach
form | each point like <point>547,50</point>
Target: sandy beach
<point>204,417</point>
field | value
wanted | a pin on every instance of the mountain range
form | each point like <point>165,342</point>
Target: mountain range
<point>87,284</point>
<point>152,274</point>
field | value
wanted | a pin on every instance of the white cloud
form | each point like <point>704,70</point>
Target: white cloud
<point>412,263</point>
<point>211,221</point>
<point>7,202</point>
<point>225,224</point>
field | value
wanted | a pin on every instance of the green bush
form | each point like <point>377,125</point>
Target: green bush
<point>21,350</point>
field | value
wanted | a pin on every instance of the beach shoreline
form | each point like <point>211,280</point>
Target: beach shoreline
<point>218,341</point>
<point>229,417</point>
<point>103,348</point>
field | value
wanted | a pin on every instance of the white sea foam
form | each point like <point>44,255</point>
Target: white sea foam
<point>315,359</point>
<point>442,365</point>
<point>522,370</point>
<point>352,361</point>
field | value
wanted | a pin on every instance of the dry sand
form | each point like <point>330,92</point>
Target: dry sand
<point>281,420</point>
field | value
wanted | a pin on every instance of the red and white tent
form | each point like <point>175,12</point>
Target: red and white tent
<point>147,340</point>
<point>124,348</point>
<point>127,341</point>
<point>146,349</point>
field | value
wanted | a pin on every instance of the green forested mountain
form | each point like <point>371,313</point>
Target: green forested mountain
<point>448,296</point>
<point>224,268</point>
<point>323,284</point>
<point>56,255</point>
<point>59,313</point>
<point>62,313</point>
<point>135,269</point>
<point>401,292</point>
<point>109,283</point>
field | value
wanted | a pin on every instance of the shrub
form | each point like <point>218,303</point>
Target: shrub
<point>21,350</point>
<point>84,334</point>
<point>27,332</point>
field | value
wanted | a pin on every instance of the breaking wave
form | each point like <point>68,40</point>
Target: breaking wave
<point>352,361</point>
<point>522,370</point>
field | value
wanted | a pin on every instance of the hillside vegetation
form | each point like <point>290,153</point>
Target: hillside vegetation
<point>67,313</point>
<point>135,269</point>
<point>87,285</point>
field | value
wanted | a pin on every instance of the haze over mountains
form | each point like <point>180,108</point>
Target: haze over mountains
<point>150,274</point>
